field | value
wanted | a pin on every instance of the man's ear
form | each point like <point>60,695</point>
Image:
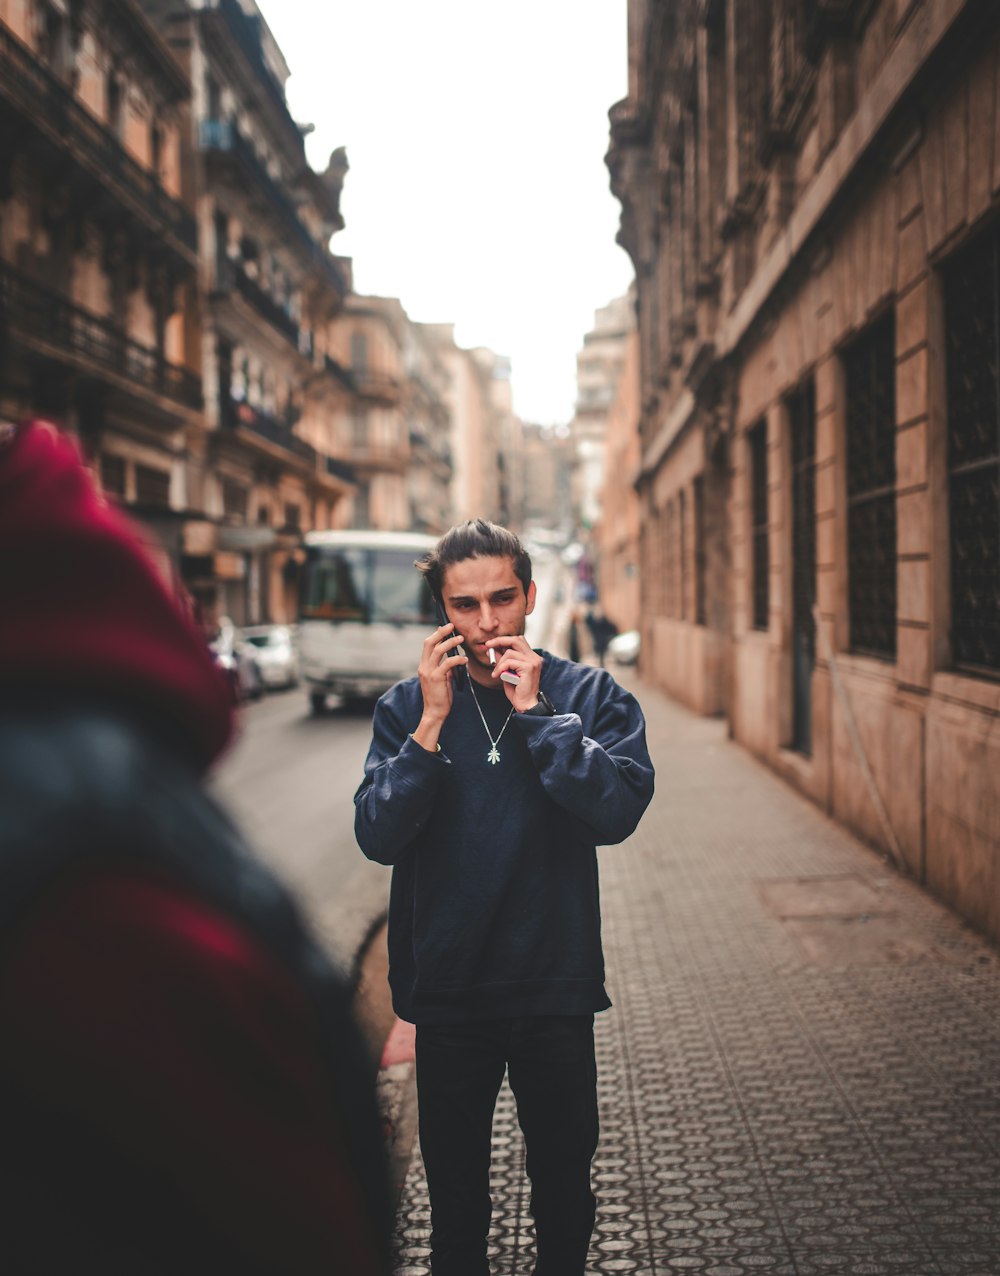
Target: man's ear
<point>531,599</point>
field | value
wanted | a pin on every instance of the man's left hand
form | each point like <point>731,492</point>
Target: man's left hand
<point>516,656</point>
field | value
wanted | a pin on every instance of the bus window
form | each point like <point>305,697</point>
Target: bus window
<point>400,593</point>
<point>333,585</point>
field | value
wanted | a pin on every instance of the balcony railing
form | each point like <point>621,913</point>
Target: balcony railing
<point>375,385</point>
<point>35,312</point>
<point>341,469</point>
<point>230,277</point>
<point>234,26</point>
<point>242,415</point>
<point>39,97</point>
<point>337,369</point>
<point>223,138</point>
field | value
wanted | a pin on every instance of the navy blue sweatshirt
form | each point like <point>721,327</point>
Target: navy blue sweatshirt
<point>494,908</point>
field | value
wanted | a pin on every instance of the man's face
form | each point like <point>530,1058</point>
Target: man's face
<point>484,599</point>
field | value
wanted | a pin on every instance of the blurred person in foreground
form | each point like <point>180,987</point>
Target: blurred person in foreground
<point>489,798</point>
<point>181,1086</point>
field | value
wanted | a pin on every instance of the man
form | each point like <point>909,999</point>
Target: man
<point>181,1086</point>
<point>488,797</point>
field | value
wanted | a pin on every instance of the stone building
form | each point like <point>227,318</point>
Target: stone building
<point>598,369</point>
<point>371,337</point>
<point>428,421</point>
<point>811,198</point>
<point>98,251</point>
<point>485,433</point>
<point>549,461</point>
<point>616,534</point>
<point>269,290</point>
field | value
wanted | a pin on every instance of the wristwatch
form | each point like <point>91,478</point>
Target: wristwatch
<point>544,709</point>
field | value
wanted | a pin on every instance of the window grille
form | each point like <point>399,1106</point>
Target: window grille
<point>972,326</point>
<point>668,558</point>
<point>870,385</point>
<point>757,438</point>
<point>152,486</point>
<point>682,555</point>
<point>699,551</point>
<point>234,501</point>
<point>802,431</point>
<point>113,474</point>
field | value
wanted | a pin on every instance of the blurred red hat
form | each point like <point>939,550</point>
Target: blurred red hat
<point>83,606</point>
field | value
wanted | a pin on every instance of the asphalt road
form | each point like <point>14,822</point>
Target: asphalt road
<point>289,782</point>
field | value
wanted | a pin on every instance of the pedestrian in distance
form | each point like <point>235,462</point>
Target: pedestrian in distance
<point>181,1086</point>
<point>488,787</point>
<point>602,630</point>
<point>573,637</point>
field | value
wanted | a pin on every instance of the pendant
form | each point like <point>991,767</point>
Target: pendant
<point>493,756</point>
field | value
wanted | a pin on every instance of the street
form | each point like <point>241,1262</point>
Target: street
<point>799,1073</point>
<point>289,781</point>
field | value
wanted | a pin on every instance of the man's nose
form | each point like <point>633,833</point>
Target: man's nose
<point>487,617</point>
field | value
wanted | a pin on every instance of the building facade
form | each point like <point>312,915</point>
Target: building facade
<point>598,370</point>
<point>811,198</point>
<point>98,249</point>
<point>485,434</point>
<point>617,531</point>
<point>269,288</point>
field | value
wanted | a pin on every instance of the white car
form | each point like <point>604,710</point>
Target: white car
<point>275,654</point>
<point>624,648</point>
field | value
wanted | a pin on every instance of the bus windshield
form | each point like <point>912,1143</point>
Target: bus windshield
<point>350,583</point>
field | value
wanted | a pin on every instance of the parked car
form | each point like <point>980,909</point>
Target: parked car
<point>274,649</point>
<point>624,648</point>
<point>239,661</point>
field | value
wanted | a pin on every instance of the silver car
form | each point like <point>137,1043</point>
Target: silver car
<point>274,652</point>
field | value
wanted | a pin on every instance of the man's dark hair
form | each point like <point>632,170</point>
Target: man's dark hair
<point>475,539</point>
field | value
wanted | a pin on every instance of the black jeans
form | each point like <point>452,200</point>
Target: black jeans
<point>552,1072</point>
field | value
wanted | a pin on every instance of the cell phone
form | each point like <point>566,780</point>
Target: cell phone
<point>445,621</point>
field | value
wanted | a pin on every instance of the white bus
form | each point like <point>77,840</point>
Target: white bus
<point>364,611</point>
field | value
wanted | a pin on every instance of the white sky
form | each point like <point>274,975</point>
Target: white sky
<point>478,193</point>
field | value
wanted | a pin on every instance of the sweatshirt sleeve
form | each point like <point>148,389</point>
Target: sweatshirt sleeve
<point>394,800</point>
<point>605,779</point>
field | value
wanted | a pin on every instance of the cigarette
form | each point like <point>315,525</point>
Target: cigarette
<point>506,676</point>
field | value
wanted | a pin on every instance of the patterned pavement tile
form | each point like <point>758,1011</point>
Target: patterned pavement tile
<point>770,1102</point>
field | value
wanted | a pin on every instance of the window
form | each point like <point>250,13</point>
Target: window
<point>152,486</point>
<point>113,475</point>
<point>292,516</point>
<point>359,432</point>
<point>668,558</point>
<point>359,352</point>
<point>699,551</point>
<point>116,105</point>
<point>234,501</point>
<point>682,555</point>
<point>759,545</point>
<point>870,386</point>
<point>972,326</point>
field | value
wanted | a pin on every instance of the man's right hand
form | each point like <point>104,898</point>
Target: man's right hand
<point>437,663</point>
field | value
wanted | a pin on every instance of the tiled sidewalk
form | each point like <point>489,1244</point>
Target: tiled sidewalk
<point>801,1072</point>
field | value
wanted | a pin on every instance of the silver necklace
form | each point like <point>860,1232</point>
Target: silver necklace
<point>493,757</point>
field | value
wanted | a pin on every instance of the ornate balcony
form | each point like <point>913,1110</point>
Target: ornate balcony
<point>242,418</point>
<point>225,147</point>
<point>65,333</point>
<point>40,101</point>
<point>230,278</point>
<point>371,384</point>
